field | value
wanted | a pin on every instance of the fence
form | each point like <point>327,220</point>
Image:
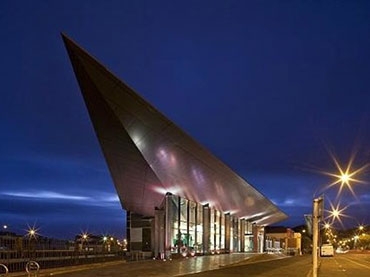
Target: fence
<point>17,260</point>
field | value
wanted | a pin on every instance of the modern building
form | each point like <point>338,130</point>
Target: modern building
<point>178,196</point>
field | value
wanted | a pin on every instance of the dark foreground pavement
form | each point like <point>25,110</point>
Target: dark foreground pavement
<point>262,266</point>
<point>223,265</point>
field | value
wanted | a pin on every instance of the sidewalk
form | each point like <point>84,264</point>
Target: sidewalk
<point>237,264</point>
<point>176,267</point>
<point>67,269</point>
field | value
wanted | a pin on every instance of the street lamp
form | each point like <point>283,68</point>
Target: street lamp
<point>347,176</point>
<point>355,241</point>
<point>84,237</point>
<point>105,238</point>
<point>344,179</point>
<point>32,234</point>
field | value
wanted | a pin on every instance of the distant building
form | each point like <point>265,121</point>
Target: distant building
<point>10,241</point>
<point>282,238</point>
<point>179,197</point>
<point>90,242</point>
<point>14,242</point>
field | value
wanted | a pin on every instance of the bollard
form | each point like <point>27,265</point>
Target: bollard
<point>5,268</point>
<point>32,268</point>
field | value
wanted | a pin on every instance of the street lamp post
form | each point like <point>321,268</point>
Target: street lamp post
<point>105,243</point>
<point>344,179</point>
<point>84,240</point>
<point>316,217</point>
<point>32,232</point>
<point>355,242</point>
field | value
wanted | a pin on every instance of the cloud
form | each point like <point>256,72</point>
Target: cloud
<point>365,197</point>
<point>97,198</point>
<point>97,215</point>
<point>45,195</point>
<point>290,202</point>
<point>110,198</point>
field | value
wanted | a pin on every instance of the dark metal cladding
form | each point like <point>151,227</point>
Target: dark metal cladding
<point>148,155</point>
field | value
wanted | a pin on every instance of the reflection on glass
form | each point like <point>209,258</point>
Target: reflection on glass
<point>186,226</point>
<point>222,232</point>
<point>199,229</point>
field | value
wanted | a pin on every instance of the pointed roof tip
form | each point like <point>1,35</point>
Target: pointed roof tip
<point>72,47</point>
<point>66,39</point>
<point>64,36</point>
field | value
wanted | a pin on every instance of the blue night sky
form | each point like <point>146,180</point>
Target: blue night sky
<point>270,87</point>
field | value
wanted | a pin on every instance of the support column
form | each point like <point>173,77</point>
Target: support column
<point>255,237</point>
<point>196,224</point>
<point>188,224</point>
<point>242,235</point>
<point>236,239</point>
<point>159,233</point>
<point>227,232</point>
<point>206,228</point>
<point>128,230</point>
<point>167,226</point>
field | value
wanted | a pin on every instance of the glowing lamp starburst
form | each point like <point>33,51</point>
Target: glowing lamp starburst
<point>336,213</point>
<point>32,232</point>
<point>84,236</point>
<point>346,176</point>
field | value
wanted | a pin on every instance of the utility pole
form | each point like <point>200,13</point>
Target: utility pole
<point>316,218</point>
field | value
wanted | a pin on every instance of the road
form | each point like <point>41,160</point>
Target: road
<point>346,265</point>
<point>340,265</point>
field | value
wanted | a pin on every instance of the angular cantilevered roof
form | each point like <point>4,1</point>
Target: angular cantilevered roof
<point>148,155</point>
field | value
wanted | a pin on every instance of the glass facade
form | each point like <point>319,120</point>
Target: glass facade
<point>173,222</point>
<point>212,239</point>
<point>232,237</point>
<point>198,246</point>
<point>217,232</point>
<point>183,234</point>
<point>248,237</point>
<point>191,225</point>
<point>222,232</point>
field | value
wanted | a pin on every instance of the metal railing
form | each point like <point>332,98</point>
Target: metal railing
<point>16,261</point>
<point>4,268</point>
<point>32,268</point>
